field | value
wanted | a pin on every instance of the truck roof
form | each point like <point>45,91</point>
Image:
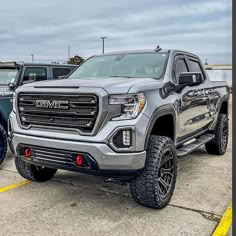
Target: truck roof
<point>147,51</point>
<point>14,64</point>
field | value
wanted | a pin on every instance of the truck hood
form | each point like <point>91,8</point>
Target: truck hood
<point>5,91</point>
<point>112,85</point>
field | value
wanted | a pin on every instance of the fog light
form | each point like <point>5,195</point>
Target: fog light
<point>122,139</point>
<point>126,137</point>
<point>28,152</point>
<point>79,160</point>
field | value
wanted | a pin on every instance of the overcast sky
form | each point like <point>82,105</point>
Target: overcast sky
<point>46,28</point>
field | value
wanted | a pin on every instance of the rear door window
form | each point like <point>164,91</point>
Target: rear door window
<point>196,67</point>
<point>59,72</point>
<point>33,74</point>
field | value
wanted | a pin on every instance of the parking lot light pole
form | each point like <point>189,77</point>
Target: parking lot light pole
<point>32,55</point>
<point>68,52</point>
<point>103,39</point>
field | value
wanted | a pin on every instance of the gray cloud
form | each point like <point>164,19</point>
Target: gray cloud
<point>45,28</point>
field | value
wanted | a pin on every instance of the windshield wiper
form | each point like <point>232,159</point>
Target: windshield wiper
<point>117,76</point>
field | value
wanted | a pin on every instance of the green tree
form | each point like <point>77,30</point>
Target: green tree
<point>76,60</point>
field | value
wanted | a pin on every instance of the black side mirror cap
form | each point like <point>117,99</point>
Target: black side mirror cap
<point>190,78</point>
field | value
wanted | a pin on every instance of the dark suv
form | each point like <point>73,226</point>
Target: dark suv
<point>13,75</point>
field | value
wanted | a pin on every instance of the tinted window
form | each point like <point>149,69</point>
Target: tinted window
<point>180,67</point>
<point>35,74</point>
<point>60,72</point>
<point>133,65</point>
<point>195,66</point>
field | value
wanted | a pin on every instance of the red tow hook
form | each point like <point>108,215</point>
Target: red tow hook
<point>28,152</point>
<point>79,160</point>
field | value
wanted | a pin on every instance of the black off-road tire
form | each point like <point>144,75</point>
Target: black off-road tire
<point>218,145</point>
<point>147,188</point>
<point>33,172</point>
<point>3,144</point>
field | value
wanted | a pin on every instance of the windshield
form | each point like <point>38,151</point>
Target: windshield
<point>135,65</point>
<point>7,76</point>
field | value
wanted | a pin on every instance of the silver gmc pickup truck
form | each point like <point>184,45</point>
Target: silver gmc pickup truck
<point>125,116</point>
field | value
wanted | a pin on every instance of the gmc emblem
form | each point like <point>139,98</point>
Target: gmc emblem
<point>54,104</point>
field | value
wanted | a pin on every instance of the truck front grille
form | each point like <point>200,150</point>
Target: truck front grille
<point>56,110</point>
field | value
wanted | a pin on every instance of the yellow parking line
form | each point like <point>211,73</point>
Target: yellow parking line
<point>12,186</point>
<point>225,223</point>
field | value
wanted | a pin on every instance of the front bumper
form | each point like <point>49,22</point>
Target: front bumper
<point>104,156</point>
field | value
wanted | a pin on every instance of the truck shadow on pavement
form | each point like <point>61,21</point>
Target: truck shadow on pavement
<point>187,166</point>
<point>193,171</point>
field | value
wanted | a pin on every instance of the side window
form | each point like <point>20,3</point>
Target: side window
<point>33,74</point>
<point>57,72</point>
<point>196,67</point>
<point>180,67</point>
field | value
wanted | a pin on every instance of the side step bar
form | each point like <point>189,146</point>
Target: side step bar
<point>195,144</point>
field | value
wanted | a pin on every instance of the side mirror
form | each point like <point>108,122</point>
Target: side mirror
<point>11,86</point>
<point>190,78</point>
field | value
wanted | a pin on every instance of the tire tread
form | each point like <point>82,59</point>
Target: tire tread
<point>29,171</point>
<point>215,145</point>
<point>3,153</point>
<point>143,188</point>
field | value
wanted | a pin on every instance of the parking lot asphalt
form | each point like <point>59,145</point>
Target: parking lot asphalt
<point>76,204</point>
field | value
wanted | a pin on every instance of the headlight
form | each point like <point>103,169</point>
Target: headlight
<point>14,102</point>
<point>131,105</point>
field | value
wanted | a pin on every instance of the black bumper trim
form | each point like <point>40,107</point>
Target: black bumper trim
<point>70,165</point>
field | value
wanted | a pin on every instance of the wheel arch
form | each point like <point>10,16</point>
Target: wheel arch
<point>221,108</point>
<point>161,117</point>
<point>224,107</point>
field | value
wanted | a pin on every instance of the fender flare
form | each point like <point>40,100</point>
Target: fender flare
<point>222,100</point>
<point>159,112</point>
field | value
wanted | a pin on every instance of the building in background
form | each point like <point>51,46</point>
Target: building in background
<point>219,72</point>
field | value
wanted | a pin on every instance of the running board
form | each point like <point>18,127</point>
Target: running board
<point>195,144</point>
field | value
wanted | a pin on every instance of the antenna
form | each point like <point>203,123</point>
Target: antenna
<point>157,48</point>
